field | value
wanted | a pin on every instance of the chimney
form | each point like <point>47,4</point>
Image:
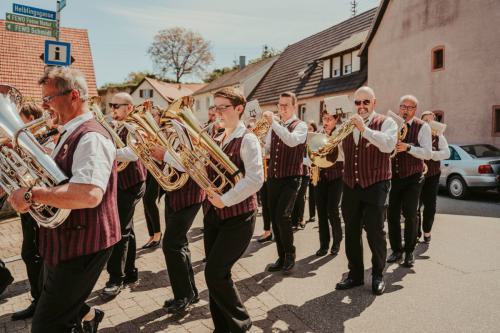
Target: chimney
<point>242,62</point>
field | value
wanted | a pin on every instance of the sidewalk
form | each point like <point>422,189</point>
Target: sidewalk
<point>452,288</point>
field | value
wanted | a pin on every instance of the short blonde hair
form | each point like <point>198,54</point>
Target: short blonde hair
<point>410,98</point>
<point>66,78</point>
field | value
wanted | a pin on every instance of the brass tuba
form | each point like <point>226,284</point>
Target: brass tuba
<point>99,116</point>
<point>27,164</point>
<point>143,134</point>
<point>402,129</point>
<point>201,152</point>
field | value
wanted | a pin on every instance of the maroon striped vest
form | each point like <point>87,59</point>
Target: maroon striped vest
<point>186,196</point>
<point>134,173</point>
<point>232,150</point>
<point>365,164</point>
<point>433,167</point>
<point>404,164</point>
<point>331,173</point>
<point>85,231</point>
<point>285,161</point>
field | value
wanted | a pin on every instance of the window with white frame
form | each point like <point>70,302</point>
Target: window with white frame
<point>356,61</point>
<point>146,93</point>
<point>326,68</point>
<point>336,67</point>
<point>347,64</point>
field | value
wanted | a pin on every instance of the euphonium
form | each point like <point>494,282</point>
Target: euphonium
<point>202,153</point>
<point>402,129</point>
<point>143,134</point>
<point>99,116</point>
<point>260,130</point>
<point>27,164</point>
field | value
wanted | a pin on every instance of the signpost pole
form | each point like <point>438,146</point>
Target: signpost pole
<point>58,18</point>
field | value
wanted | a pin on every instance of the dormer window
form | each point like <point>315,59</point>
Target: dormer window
<point>343,64</point>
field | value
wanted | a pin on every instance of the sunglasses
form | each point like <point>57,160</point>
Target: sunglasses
<point>365,102</point>
<point>116,105</point>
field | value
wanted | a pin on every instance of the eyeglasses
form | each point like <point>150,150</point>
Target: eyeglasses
<point>222,108</point>
<point>282,106</point>
<point>48,98</point>
<point>116,105</point>
<point>365,102</point>
<point>407,107</point>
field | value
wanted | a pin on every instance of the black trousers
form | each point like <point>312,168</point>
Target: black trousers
<point>428,198</point>
<point>149,201</point>
<point>404,196</point>
<point>66,287</point>
<point>312,200</point>
<point>4,273</point>
<point>300,201</point>
<point>176,251</point>
<point>266,216</point>
<point>31,256</point>
<point>122,260</point>
<point>328,200</point>
<point>225,242</point>
<point>282,193</point>
<point>364,208</point>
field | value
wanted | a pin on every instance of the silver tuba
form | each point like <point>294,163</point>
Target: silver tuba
<point>25,163</point>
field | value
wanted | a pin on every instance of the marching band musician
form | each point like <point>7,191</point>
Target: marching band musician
<point>181,207</point>
<point>131,187</point>
<point>407,181</point>
<point>74,253</point>
<point>428,196</point>
<point>328,194</point>
<point>229,219</point>
<point>367,174</point>
<point>286,144</point>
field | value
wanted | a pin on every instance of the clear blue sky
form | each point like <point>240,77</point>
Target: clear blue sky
<point>121,31</point>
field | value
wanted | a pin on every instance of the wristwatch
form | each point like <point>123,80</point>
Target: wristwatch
<point>28,195</point>
<point>408,148</point>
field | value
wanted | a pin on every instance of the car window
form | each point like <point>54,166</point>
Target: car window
<point>478,151</point>
<point>453,154</point>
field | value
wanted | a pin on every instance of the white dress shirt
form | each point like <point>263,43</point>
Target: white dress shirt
<point>125,154</point>
<point>385,139</point>
<point>291,139</point>
<point>424,152</point>
<point>443,151</point>
<point>93,157</point>
<point>340,158</point>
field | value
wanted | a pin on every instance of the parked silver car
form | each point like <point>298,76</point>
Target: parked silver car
<point>470,167</point>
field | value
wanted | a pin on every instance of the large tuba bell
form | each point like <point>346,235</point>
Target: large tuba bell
<point>202,153</point>
<point>27,164</point>
<point>99,116</point>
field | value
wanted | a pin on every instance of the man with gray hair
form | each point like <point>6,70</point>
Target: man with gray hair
<point>407,181</point>
<point>74,253</point>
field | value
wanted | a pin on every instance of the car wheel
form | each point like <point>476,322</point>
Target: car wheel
<point>457,188</point>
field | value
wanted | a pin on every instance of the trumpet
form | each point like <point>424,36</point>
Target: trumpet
<point>99,116</point>
<point>27,164</point>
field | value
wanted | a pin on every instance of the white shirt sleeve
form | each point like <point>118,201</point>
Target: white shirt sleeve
<point>253,179</point>
<point>291,139</point>
<point>424,152</point>
<point>168,158</point>
<point>341,157</point>
<point>385,139</point>
<point>93,160</point>
<point>126,154</point>
<point>267,144</point>
<point>443,152</point>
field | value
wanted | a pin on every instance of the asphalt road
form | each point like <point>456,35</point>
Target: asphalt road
<point>485,204</point>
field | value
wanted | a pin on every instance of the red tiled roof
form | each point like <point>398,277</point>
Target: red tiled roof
<point>21,66</point>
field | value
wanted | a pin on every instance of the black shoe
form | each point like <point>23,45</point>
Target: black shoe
<point>288,263</point>
<point>348,283</point>
<point>26,313</point>
<point>91,326</point>
<point>378,286</point>
<point>427,239</point>
<point>409,259</point>
<point>335,249</point>
<point>178,305</point>
<point>395,257</point>
<point>6,281</point>
<point>275,267</point>
<point>152,244</point>
<point>302,225</point>
<point>311,219</point>
<point>321,252</point>
<point>113,288</point>
<point>265,239</point>
<point>131,277</point>
<point>195,299</point>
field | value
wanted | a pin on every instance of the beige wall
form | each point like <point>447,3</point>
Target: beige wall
<point>157,99</point>
<point>399,62</point>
